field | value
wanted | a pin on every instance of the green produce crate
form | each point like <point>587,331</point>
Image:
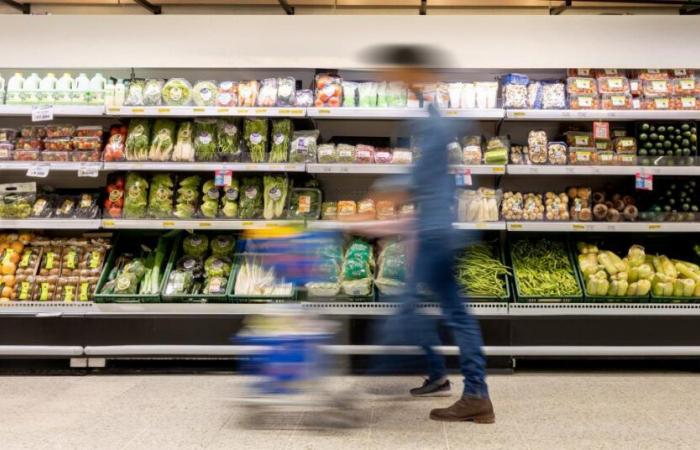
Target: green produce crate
<point>582,281</point>
<point>233,298</point>
<point>521,298</point>
<point>303,295</point>
<point>500,253</point>
<point>194,298</point>
<point>674,249</point>
<point>128,242</point>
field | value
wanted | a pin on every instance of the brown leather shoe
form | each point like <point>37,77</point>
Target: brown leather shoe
<point>466,409</point>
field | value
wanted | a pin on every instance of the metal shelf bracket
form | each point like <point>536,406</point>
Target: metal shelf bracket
<point>24,8</point>
<point>287,7</point>
<point>154,9</point>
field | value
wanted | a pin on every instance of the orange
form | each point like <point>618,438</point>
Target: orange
<point>17,246</point>
<point>8,268</point>
<point>3,246</point>
<point>9,280</point>
<point>6,292</point>
<point>25,238</point>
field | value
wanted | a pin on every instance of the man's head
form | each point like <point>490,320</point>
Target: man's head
<point>410,63</point>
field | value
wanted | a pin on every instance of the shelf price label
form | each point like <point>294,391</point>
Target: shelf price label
<point>644,181</point>
<point>42,113</point>
<point>464,177</point>
<point>578,227</point>
<point>516,226</point>
<point>223,177</point>
<point>38,171</point>
<point>204,224</point>
<point>498,169</point>
<point>198,110</point>
<point>168,224</point>
<point>108,223</point>
<point>89,170</point>
<point>654,227</point>
<point>247,224</point>
<point>137,110</point>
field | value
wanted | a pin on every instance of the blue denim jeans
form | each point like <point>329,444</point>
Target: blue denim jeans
<point>434,268</point>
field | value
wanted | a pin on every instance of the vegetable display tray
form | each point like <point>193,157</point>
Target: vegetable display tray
<point>233,298</point>
<point>521,298</point>
<point>485,298</point>
<point>601,298</point>
<point>193,298</point>
<point>130,242</point>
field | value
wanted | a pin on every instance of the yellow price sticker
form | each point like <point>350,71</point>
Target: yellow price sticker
<point>451,113</point>
<point>114,110</point>
<point>198,110</point>
<point>261,111</point>
<point>516,226</point>
<point>247,224</point>
<point>223,110</point>
<point>655,226</point>
<point>242,110</point>
<point>296,112</point>
<point>519,114</point>
<point>168,223</point>
<point>578,227</point>
<point>324,111</point>
<point>481,226</point>
<point>107,223</point>
<point>163,110</point>
<point>204,224</point>
<point>498,169</point>
<point>284,111</point>
<point>137,110</point>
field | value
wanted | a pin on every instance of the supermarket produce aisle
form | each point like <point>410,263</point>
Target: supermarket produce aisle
<point>534,410</point>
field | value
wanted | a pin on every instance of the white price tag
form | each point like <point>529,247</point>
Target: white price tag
<point>89,170</point>
<point>223,177</point>
<point>644,181</point>
<point>39,171</point>
<point>42,113</point>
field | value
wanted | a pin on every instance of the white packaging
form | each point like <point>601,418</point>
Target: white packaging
<point>81,88</point>
<point>14,89</point>
<point>109,94</point>
<point>486,94</point>
<point>2,89</point>
<point>468,96</point>
<point>455,92</point>
<point>47,89</point>
<point>119,93</point>
<point>30,89</point>
<point>96,93</point>
<point>64,89</point>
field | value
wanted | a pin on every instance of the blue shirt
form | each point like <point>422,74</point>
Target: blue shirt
<point>433,187</point>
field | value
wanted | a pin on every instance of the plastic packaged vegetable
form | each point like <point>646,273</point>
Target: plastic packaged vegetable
<point>228,138</point>
<point>515,94</point>
<point>471,149</point>
<point>267,95</point>
<point>275,196</point>
<point>248,93</point>
<point>136,196</point>
<point>496,151</point>
<point>286,91</point>
<point>656,88</point>
<point>396,95</point>
<point>205,145</point>
<point>553,95</point>
<point>367,94</point>
<point>229,200</point>
<point>135,93</point>
<point>152,92</point>
<point>195,245</point>
<point>613,85</point>
<point>327,154</point>
<point>346,153</point>
<point>329,210</point>
<point>160,197</point>
<point>304,203</point>
<point>350,93</point>
<point>304,98</point>
<point>250,204</point>
<point>177,92</point>
<point>163,141</point>
<point>222,246</point>
<point>204,93</point>
<point>187,197</point>
<point>581,86</point>
<point>184,147</point>
<point>138,140</point>
<point>556,153</point>
<point>227,94</point>
<point>584,102</point>
<point>616,101</point>
<point>281,136</point>
<point>209,206</point>
<point>255,133</point>
<point>402,156</point>
<point>534,95</point>
<point>684,86</point>
<point>328,90</point>
<point>303,146</point>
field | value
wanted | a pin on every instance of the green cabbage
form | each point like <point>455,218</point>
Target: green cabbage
<point>136,196</point>
<point>209,206</point>
<point>160,198</point>
<point>177,92</point>
<point>195,245</point>
<point>187,196</point>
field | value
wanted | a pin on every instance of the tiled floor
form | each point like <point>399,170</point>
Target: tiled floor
<point>535,411</point>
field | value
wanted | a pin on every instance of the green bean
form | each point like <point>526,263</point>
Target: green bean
<point>543,268</point>
<point>480,273</point>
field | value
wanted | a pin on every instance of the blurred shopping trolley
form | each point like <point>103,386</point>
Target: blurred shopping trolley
<point>289,366</point>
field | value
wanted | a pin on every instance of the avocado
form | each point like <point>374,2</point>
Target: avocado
<point>643,136</point>
<point>653,136</point>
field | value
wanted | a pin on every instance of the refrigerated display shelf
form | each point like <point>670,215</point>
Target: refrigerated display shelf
<point>620,227</point>
<point>514,169</point>
<point>359,168</point>
<point>58,110</point>
<point>603,309</point>
<point>479,225</point>
<point>50,224</point>
<point>203,166</point>
<point>598,114</point>
<point>58,166</point>
<point>203,111</point>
